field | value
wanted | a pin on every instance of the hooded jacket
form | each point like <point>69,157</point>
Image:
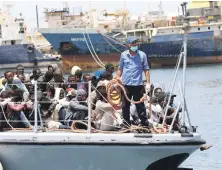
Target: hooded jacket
<point>77,110</point>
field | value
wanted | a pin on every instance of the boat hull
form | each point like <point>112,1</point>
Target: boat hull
<point>59,156</point>
<point>95,151</point>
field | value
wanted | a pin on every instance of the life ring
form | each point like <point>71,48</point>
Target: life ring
<point>30,48</point>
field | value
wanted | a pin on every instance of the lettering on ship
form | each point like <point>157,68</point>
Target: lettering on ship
<point>77,39</point>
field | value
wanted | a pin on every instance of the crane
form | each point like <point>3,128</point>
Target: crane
<point>119,13</point>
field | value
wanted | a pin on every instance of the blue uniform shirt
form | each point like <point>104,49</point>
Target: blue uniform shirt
<point>133,67</point>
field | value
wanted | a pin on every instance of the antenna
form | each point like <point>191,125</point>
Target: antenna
<point>160,10</point>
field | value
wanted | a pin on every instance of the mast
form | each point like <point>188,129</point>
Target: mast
<point>37,16</point>
<point>160,10</point>
<point>186,29</point>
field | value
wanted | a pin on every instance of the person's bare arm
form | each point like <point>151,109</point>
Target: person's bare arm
<point>147,74</point>
<point>119,73</point>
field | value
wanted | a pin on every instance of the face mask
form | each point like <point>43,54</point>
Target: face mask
<point>134,48</point>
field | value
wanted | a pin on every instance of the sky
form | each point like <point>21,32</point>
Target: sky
<point>28,8</point>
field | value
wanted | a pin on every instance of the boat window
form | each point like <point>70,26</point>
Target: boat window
<point>198,29</point>
<point>219,26</point>
<point>208,28</point>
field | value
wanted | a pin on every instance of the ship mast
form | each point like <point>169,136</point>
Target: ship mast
<point>186,29</point>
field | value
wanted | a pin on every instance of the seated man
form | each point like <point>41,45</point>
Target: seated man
<point>5,97</point>
<point>71,82</point>
<point>15,83</point>
<point>20,70</point>
<point>163,100</point>
<point>108,67</point>
<point>15,110</point>
<point>105,116</point>
<point>77,109</point>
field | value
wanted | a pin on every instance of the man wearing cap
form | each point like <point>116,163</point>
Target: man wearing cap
<point>132,64</point>
<point>99,73</point>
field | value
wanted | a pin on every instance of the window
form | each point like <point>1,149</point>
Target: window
<point>211,4</point>
<point>219,27</point>
<point>208,28</point>
<point>198,29</point>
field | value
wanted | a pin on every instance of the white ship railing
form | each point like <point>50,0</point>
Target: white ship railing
<point>38,119</point>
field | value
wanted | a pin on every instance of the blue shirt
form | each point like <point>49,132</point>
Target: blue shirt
<point>99,74</point>
<point>133,67</point>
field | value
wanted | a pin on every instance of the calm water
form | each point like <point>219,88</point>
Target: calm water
<point>204,100</point>
<point>204,97</point>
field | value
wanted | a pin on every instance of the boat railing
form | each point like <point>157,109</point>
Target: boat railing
<point>39,121</point>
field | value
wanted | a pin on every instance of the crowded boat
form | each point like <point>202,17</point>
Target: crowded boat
<point>63,100</point>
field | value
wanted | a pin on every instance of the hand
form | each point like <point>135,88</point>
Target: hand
<point>147,88</point>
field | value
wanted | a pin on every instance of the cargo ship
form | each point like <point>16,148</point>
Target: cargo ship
<point>91,48</point>
<point>16,49</point>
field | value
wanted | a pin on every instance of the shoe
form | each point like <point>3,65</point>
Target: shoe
<point>145,123</point>
<point>135,122</point>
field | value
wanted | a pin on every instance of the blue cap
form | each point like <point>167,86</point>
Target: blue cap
<point>130,40</point>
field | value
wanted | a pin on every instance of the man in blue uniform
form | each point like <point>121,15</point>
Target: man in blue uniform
<point>132,64</point>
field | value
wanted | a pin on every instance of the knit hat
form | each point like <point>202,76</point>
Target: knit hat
<point>108,65</point>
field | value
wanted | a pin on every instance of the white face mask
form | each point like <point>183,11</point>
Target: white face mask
<point>134,48</point>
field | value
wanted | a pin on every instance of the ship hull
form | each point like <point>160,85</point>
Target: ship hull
<point>12,55</point>
<point>87,62</point>
<point>77,48</point>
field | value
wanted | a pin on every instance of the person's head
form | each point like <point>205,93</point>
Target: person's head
<point>9,76</point>
<point>81,95</point>
<point>22,78</point>
<point>157,91</point>
<point>171,99</point>
<point>48,76</point>
<point>5,94</point>
<point>132,43</point>
<point>18,94</point>
<point>87,77</point>
<point>107,76</point>
<point>71,93</point>
<point>72,82</point>
<point>50,68</point>
<point>20,69</point>
<point>71,79</point>
<point>109,67</point>
<point>29,86</point>
<point>101,93</point>
<point>78,76</point>
<point>36,73</point>
<point>58,75</point>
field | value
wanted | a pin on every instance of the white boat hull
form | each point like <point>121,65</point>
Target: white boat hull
<point>91,155</point>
